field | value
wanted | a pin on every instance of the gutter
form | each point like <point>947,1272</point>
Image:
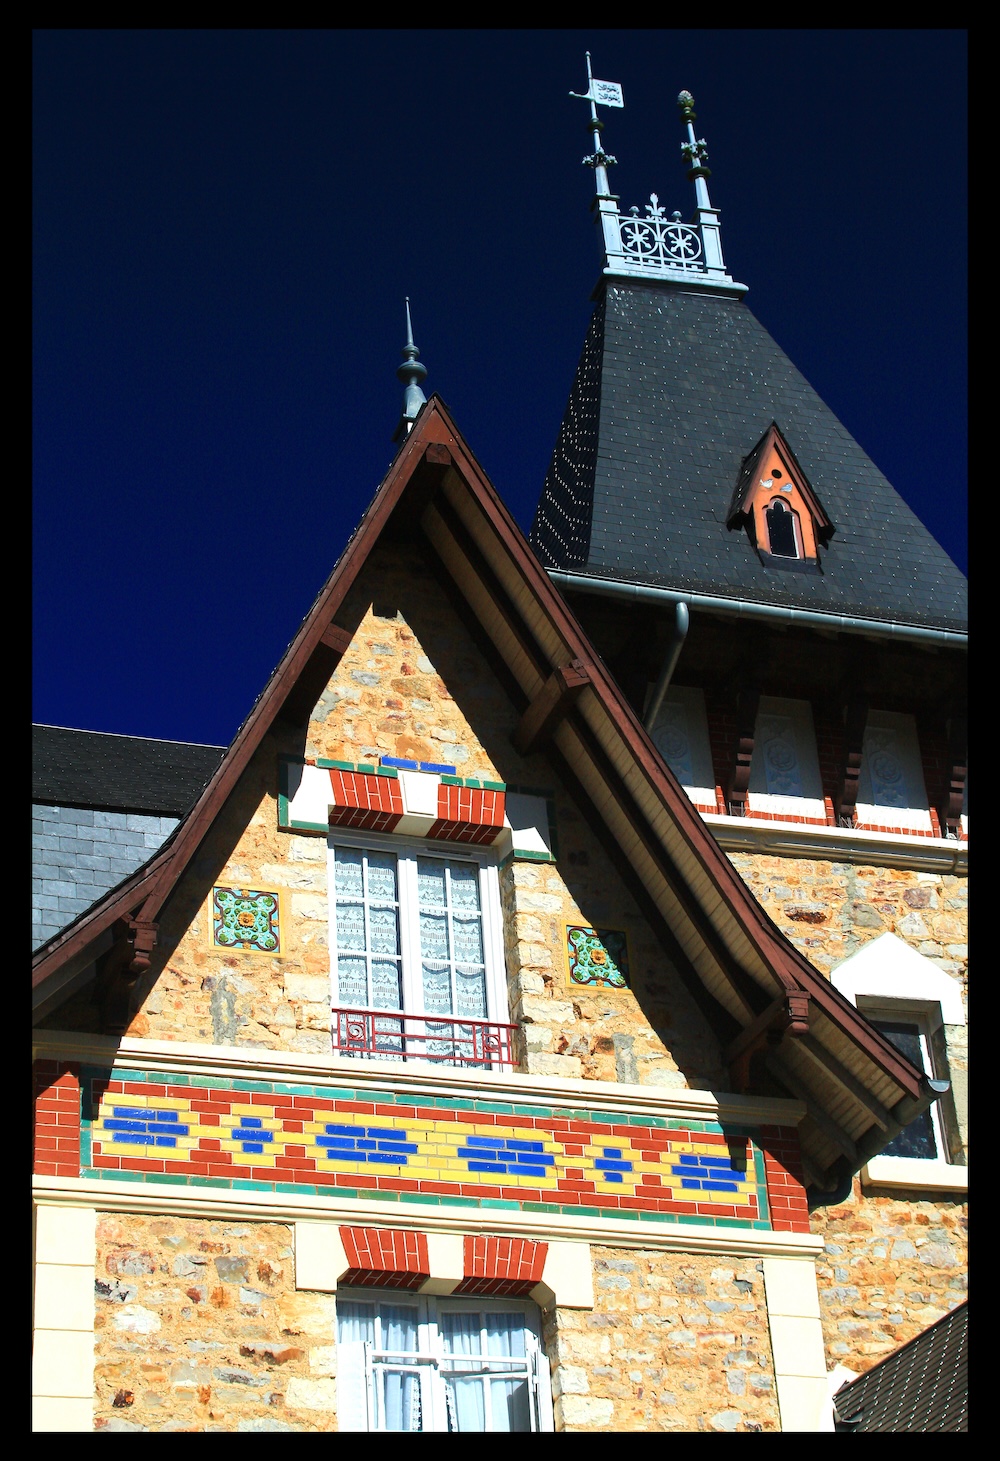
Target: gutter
<point>775,613</point>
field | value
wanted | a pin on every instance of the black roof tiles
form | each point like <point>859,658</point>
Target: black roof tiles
<point>120,773</point>
<point>674,391</point>
<point>923,1386</point>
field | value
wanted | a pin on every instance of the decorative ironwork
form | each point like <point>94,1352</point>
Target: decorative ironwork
<point>656,243</point>
<point>371,1034</point>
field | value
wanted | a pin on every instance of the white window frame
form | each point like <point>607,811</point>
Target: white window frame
<point>888,979</point>
<point>431,1363</point>
<point>406,851</point>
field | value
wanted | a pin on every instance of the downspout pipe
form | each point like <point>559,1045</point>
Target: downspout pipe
<point>682,621</point>
<point>774,613</point>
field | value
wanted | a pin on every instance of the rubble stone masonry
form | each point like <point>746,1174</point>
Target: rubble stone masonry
<point>198,1327</point>
<point>674,1343</point>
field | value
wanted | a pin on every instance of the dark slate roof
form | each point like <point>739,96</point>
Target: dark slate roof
<point>120,773</point>
<point>672,391</point>
<point>923,1386</point>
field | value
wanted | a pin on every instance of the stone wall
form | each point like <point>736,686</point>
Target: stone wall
<point>892,1265</point>
<point>894,1262</point>
<point>198,1328</point>
<point>674,1343</point>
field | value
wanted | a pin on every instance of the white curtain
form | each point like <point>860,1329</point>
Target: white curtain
<point>508,1398</point>
<point>397,1388</point>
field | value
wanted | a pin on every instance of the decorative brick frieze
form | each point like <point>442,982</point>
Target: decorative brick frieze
<point>502,1267</point>
<point>255,1135</point>
<point>384,1258</point>
<point>57,1118</point>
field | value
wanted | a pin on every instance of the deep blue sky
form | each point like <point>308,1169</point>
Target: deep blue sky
<point>226,223</point>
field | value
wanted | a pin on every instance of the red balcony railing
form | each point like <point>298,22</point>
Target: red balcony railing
<point>449,1040</point>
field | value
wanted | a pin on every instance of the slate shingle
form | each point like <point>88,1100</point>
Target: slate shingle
<point>672,391</point>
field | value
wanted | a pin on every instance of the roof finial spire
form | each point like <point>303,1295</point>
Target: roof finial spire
<point>609,94</point>
<point>411,373</point>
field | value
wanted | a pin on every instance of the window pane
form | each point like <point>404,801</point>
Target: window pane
<point>468,935</point>
<point>464,885</point>
<point>781,532</point>
<point>434,935</point>
<point>386,992</point>
<point>470,986</point>
<point>917,1139</point>
<point>430,882</point>
<point>437,989</point>
<point>509,1404</point>
<point>350,926</point>
<point>347,875</point>
<point>382,876</point>
<point>383,930</point>
<point>352,981</point>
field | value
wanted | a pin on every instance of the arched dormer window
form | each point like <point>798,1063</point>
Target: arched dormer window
<point>774,501</point>
<point>783,536</point>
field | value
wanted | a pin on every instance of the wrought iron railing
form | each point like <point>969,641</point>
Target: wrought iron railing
<point>656,242</point>
<point>449,1040</point>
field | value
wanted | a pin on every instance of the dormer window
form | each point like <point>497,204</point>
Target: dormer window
<point>783,539</point>
<point>776,504</point>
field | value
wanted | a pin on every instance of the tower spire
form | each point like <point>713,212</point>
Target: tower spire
<point>411,372</point>
<point>655,247</point>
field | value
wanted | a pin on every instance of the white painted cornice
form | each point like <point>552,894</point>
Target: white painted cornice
<point>281,1207</point>
<point>839,844</point>
<point>249,1063</point>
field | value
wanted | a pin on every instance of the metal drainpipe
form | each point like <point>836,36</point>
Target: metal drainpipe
<point>777,613</point>
<point>682,620</point>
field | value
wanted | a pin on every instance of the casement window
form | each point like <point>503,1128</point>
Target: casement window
<point>416,1363</point>
<point>416,933</point>
<point>784,538</point>
<point>909,1030</point>
<point>919,1009</point>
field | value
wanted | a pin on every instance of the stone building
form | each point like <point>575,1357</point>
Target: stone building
<point>494,1043</point>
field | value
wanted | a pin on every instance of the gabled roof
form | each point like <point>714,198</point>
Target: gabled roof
<point>749,979</point>
<point>748,481</point>
<point>672,392</point>
<point>118,773</point>
<point>922,1386</point>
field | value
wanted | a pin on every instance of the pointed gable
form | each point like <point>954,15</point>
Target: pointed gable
<point>775,502</point>
<point>437,512</point>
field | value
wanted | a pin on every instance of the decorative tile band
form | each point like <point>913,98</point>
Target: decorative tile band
<point>248,1134</point>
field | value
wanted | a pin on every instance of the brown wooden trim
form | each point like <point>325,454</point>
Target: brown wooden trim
<point>786,1015</point>
<point>830,1128</point>
<point>954,790</point>
<point>847,1082</point>
<point>737,789</point>
<point>855,719</point>
<point>551,705</point>
<point>499,599</point>
<point>337,639</point>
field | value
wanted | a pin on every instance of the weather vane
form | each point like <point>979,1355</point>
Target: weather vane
<point>609,94</point>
